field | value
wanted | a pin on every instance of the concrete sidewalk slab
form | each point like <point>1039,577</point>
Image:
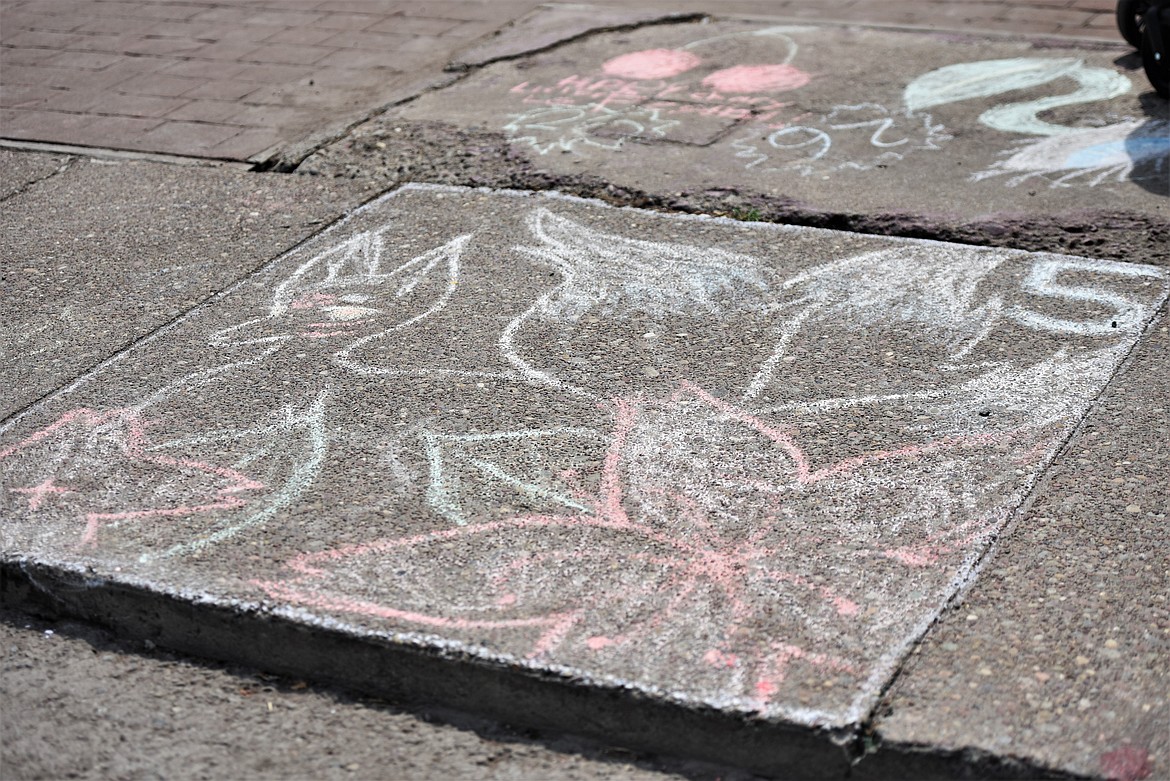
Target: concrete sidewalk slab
<point>1061,651</point>
<point>100,253</point>
<point>1040,146</point>
<point>503,452</point>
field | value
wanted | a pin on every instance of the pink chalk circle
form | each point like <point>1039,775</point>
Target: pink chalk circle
<point>650,64</point>
<point>757,78</point>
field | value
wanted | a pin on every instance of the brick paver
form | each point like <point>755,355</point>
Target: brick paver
<point>233,78</point>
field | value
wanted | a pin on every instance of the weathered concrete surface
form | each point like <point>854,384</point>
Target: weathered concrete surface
<point>1040,146</point>
<point>79,703</point>
<point>19,170</point>
<point>470,437</point>
<point>1061,651</point>
<point>104,252</point>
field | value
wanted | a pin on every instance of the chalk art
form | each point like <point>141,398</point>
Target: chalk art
<point>93,474</point>
<point>645,95</point>
<point>566,128</point>
<point>1066,155</point>
<point>749,471</point>
<point>750,106</point>
<point>1090,156</point>
<point>673,528</point>
<point>806,146</point>
<point>344,293</point>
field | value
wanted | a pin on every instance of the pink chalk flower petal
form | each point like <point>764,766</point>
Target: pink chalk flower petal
<point>757,78</point>
<point>650,64</point>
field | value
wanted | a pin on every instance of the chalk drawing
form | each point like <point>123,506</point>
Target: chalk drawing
<point>988,78</point>
<point>657,95</point>
<point>343,294</point>
<point>806,145</point>
<point>645,95</point>
<point>1090,156</point>
<point>525,575</point>
<point>93,470</point>
<point>567,128</point>
<point>650,64</point>
<point>718,530</point>
<point>1064,156</point>
<point>616,276</point>
<point>289,448</point>
<point>469,464</point>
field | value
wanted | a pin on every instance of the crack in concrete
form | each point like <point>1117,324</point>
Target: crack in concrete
<point>24,188</point>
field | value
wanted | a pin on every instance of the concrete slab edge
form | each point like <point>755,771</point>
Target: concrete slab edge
<point>479,54</point>
<point>102,153</point>
<point>284,158</point>
<point>414,675</point>
<point>418,676</point>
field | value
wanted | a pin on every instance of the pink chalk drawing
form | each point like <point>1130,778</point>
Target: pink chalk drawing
<point>648,568</point>
<point>651,64</point>
<point>88,467</point>
<point>105,470</point>
<point>650,94</point>
<point>757,78</point>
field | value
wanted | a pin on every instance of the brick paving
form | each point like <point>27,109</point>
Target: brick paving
<point>233,79</point>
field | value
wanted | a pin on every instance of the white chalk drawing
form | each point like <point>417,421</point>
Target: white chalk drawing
<point>1090,156</point>
<point>344,294</point>
<point>565,128</point>
<point>1064,156</point>
<point>615,276</point>
<point>806,146</point>
<point>822,460</point>
<point>677,518</point>
<point>988,78</point>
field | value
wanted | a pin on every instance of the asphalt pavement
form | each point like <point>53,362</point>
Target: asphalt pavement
<point>647,393</point>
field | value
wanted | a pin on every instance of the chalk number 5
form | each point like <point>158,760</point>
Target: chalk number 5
<point>1044,280</point>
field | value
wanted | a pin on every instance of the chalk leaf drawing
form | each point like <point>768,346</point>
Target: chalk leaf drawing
<point>90,466</point>
<point>721,543</point>
<point>1064,155</point>
<point>344,294</point>
<point>91,474</point>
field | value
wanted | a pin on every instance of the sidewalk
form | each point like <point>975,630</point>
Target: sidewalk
<point>784,498</point>
<point>241,80</point>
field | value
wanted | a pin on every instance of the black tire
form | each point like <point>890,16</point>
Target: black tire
<point>1157,68</point>
<point>1129,18</point>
